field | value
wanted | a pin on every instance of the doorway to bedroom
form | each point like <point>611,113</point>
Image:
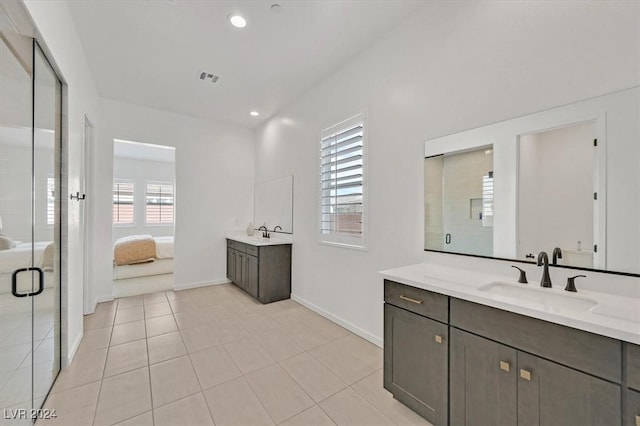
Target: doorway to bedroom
<point>144,210</point>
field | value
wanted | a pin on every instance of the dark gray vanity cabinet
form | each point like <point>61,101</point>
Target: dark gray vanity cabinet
<point>504,369</point>
<point>262,271</point>
<point>231,264</point>
<point>416,352</point>
<point>551,394</point>
<point>493,384</point>
<point>483,381</point>
<point>632,382</point>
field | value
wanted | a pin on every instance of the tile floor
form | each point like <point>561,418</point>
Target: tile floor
<point>215,356</point>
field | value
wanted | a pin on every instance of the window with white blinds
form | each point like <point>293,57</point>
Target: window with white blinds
<point>51,201</point>
<point>342,184</point>
<point>159,204</point>
<point>123,207</point>
<point>487,199</point>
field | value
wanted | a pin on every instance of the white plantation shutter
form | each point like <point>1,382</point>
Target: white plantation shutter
<point>123,207</point>
<point>51,201</point>
<point>342,207</point>
<point>159,203</point>
<point>487,200</point>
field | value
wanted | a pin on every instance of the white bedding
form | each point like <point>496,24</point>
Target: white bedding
<point>158,267</point>
<point>20,256</point>
<point>164,247</point>
<point>163,264</point>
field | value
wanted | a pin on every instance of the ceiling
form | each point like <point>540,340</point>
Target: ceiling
<point>143,151</point>
<point>150,52</point>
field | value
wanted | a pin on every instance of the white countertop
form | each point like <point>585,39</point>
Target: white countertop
<point>257,240</point>
<point>614,316</point>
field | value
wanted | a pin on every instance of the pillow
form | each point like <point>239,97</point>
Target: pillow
<point>6,243</point>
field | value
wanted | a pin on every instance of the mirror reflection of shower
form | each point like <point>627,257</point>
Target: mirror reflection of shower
<point>144,211</point>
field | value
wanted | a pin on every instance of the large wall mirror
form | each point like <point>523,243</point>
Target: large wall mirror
<point>565,181</point>
<point>273,204</point>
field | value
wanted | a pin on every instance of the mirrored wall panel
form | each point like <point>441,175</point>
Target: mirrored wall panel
<point>273,204</point>
<point>565,181</point>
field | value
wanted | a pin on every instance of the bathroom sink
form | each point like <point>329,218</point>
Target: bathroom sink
<point>542,298</point>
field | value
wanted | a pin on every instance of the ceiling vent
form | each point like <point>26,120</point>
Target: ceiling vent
<point>206,76</point>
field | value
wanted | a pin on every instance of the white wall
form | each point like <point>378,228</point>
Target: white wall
<point>450,67</point>
<point>214,187</point>
<point>140,172</point>
<point>57,28</point>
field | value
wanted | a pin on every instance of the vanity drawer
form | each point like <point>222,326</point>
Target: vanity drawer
<point>252,250</point>
<point>422,302</point>
<point>598,355</point>
<point>632,360</point>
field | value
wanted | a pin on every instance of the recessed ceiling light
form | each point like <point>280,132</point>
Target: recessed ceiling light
<point>254,113</point>
<point>237,20</point>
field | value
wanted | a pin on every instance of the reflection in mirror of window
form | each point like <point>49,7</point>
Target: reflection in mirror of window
<point>51,200</point>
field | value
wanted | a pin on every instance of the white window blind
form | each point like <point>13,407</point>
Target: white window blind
<point>51,201</point>
<point>342,207</point>
<point>159,203</point>
<point>487,200</point>
<point>123,207</point>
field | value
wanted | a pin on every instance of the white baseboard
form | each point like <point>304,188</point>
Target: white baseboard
<point>72,352</point>
<point>186,286</point>
<point>328,315</point>
<point>101,299</point>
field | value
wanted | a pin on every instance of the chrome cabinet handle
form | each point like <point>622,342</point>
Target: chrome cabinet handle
<point>526,375</point>
<point>410,299</point>
<point>505,366</point>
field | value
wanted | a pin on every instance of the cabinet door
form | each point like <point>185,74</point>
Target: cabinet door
<point>239,276</point>
<point>483,382</point>
<point>251,274</point>
<point>553,395</point>
<point>231,264</point>
<point>416,362</point>
<point>632,408</point>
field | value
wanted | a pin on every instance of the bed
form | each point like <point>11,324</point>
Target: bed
<point>148,256</point>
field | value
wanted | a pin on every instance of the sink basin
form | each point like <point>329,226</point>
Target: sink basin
<point>542,298</point>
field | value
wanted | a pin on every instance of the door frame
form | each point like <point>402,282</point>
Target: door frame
<point>87,182</point>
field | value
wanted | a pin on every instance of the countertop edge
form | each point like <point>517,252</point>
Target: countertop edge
<point>588,326</point>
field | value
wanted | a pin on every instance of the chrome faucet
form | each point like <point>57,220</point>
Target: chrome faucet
<point>557,254</point>
<point>265,231</point>
<point>276,228</point>
<point>543,260</point>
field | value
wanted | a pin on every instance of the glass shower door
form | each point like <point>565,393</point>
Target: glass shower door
<point>30,108</point>
<point>46,227</point>
<point>16,313</point>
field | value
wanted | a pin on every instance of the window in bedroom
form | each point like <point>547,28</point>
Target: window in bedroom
<point>342,184</point>
<point>123,199</point>
<point>159,204</point>
<point>51,201</point>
